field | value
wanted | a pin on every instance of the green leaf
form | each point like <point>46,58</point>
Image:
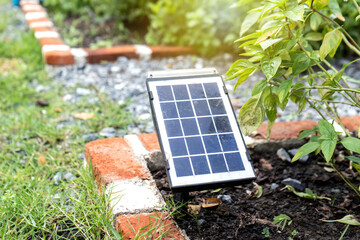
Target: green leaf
<point>247,37</point>
<point>259,87</point>
<point>308,194</point>
<point>353,158</point>
<point>239,67</point>
<point>330,43</point>
<point>269,127</point>
<point>315,21</point>
<point>348,219</point>
<point>296,13</point>
<point>284,90</point>
<point>251,115</point>
<point>335,8</point>
<point>301,63</point>
<point>357,18</point>
<point>339,74</point>
<point>356,166</point>
<point>249,21</point>
<point>326,129</point>
<point>314,36</point>
<point>243,75</point>
<point>270,66</point>
<point>305,150</point>
<point>305,133</point>
<point>352,144</point>
<point>265,44</point>
<point>319,4</point>
<point>328,148</point>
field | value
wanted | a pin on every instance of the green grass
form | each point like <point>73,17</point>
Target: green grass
<point>32,206</point>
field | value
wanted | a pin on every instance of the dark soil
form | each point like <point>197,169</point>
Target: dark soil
<point>249,217</point>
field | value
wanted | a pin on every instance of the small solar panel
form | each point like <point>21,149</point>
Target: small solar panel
<point>197,129</point>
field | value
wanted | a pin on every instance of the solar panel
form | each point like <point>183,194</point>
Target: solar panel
<point>197,129</point>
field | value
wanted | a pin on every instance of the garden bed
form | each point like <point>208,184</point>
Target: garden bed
<point>247,214</point>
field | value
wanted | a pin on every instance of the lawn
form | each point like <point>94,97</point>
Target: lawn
<point>45,190</point>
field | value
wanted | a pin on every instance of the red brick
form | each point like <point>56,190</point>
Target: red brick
<point>44,19</point>
<point>42,29</point>
<point>110,53</point>
<point>161,226</point>
<point>352,123</point>
<point>59,58</point>
<point>168,51</point>
<point>50,41</point>
<point>150,141</point>
<point>285,130</point>
<point>112,159</point>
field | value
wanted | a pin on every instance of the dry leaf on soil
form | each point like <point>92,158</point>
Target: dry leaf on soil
<point>84,115</point>
<point>211,202</point>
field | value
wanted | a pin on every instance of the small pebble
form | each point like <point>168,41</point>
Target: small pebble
<point>302,159</point>
<point>224,198</point>
<point>299,186</point>
<point>108,132</point>
<point>283,155</point>
<point>274,186</point>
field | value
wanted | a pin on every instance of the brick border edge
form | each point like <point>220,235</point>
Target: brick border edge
<point>56,52</point>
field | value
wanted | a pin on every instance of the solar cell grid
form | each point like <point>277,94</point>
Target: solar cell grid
<point>201,140</point>
<point>205,100</point>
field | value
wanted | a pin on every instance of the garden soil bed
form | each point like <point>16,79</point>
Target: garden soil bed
<point>247,217</point>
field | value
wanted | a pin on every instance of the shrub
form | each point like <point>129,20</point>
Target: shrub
<point>205,25</point>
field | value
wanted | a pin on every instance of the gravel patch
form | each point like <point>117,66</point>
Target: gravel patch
<point>124,82</point>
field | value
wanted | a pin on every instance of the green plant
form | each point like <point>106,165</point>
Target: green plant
<point>308,194</point>
<point>325,144</point>
<point>292,45</point>
<point>205,25</point>
<point>266,233</point>
<point>282,221</point>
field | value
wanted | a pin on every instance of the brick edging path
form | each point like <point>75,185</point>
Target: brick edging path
<point>56,52</point>
<point>122,165</point>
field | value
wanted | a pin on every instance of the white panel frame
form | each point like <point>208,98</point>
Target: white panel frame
<point>212,178</point>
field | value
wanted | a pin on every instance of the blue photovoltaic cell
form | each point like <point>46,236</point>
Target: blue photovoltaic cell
<point>189,126</point>
<point>196,91</point>
<point>169,110</point>
<point>222,124</point>
<point>180,92</point>
<point>165,93</point>
<point>185,109</point>
<point>212,144</point>
<point>173,128</point>
<point>182,167</point>
<point>211,90</point>
<point>206,125</point>
<point>217,163</point>
<point>201,108</point>
<point>234,161</point>
<point>217,106</point>
<point>195,145</point>
<point>228,142</point>
<point>201,138</point>
<point>178,147</point>
<point>200,165</point>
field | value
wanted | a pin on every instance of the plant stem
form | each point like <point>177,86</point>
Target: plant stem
<point>350,45</point>
<point>354,98</point>
<point>346,179</point>
<point>333,89</point>
<point>346,33</point>
<point>337,118</point>
<point>338,102</point>
<point>356,5</point>
<point>343,234</point>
